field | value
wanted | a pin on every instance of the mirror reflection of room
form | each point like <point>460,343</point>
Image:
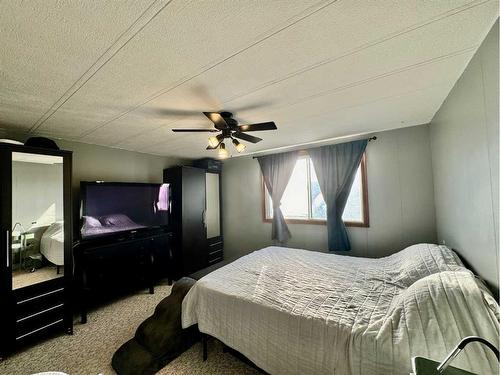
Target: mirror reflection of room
<point>37,219</point>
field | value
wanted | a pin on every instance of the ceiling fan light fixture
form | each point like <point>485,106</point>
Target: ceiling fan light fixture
<point>213,141</point>
<point>240,147</point>
<point>228,127</point>
<point>223,153</point>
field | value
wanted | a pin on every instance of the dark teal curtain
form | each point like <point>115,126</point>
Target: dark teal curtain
<point>277,170</point>
<point>336,167</point>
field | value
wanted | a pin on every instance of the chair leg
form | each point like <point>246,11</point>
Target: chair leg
<point>204,338</point>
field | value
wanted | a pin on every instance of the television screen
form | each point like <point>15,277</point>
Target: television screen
<point>109,208</point>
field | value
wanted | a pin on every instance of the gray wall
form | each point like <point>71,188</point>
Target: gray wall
<point>464,135</point>
<point>92,163</point>
<point>401,201</point>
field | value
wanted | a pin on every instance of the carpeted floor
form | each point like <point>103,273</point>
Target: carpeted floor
<point>22,278</point>
<point>89,350</point>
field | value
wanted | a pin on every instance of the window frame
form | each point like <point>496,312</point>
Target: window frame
<point>365,223</point>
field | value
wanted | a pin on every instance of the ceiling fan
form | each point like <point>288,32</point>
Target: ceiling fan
<point>229,128</point>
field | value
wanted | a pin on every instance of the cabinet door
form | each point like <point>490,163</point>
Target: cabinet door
<point>6,298</point>
<point>212,215</point>
<point>194,249</point>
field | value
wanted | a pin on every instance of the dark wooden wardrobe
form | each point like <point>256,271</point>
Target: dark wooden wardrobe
<point>35,246</point>
<point>196,217</point>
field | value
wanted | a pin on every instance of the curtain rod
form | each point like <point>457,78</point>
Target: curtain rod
<point>374,138</point>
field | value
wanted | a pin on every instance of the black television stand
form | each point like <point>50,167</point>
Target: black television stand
<point>113,265</point>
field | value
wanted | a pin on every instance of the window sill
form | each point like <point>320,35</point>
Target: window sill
<point>356,224</point>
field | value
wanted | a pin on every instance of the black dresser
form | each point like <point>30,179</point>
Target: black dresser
<point>118,264</point>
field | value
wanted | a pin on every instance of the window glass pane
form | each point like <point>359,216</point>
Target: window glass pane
<point>354,208</point>
<point>318,205</point>
<point>294,203</point>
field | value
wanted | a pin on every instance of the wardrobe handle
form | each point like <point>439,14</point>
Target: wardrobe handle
<point>7,242</point>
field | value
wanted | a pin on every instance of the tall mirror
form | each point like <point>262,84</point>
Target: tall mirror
<point>37,218</point>
<point>212,214</point>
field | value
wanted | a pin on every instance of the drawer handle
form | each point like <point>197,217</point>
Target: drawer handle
<point>214,260</point>
<point>39,313</point>
<point>7,243</point>
<point>40,296</point>
<point>40,329</point>
<point>215,252</point>
<point>216,244</point>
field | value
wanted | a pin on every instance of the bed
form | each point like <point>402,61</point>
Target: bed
<point>293,311</point>
<point>52,243</point>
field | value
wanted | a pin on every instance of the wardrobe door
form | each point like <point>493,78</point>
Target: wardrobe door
<point>7,317</point>
<point>194,246</point>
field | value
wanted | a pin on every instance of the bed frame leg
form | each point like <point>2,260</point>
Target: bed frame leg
<point>204,339</point>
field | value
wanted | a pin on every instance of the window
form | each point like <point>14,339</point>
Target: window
<point>303,202</point>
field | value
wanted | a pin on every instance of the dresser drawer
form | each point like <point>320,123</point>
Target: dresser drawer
<point>39,308</point>
<point>33,304</point>
<point>215,256</point>
<point>39,332</point>
<point>214,246</point>
<point>30,324</point>
<point>215,250</point>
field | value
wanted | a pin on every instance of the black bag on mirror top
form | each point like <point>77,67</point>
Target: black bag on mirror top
<point>42,142</point>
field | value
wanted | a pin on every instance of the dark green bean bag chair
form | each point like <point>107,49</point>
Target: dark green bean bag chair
<point>160,338</point>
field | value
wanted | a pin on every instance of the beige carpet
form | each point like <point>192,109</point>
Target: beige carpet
<point>22,278</point>
<point>89,350</point>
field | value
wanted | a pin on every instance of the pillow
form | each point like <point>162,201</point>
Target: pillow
<point>421,260</point>
<point>118,220</point>
<point>91,222</point>
<point>434,314</point>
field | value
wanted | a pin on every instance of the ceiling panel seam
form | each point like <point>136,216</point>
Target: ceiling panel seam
<point>123,39</point>
<point>396,34</point>
<point>363,47</point>
<point>340,88</point>
<point>302,16</point>
<point>383,98</point>
<point>388,74</point>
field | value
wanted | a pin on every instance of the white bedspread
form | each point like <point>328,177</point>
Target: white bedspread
<point>294,311</point>
<point>52,243</point>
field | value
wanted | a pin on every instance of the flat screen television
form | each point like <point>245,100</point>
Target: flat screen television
<point>109,208</point>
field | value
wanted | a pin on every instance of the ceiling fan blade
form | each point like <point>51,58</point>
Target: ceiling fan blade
<point>257,105</point>
<point>246,137</point>
<point>194,130</point>
<point>217,119</point>
<point>172,112</point>
<point>257,127</point>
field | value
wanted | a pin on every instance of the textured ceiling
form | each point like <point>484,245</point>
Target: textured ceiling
<point>123,73</point>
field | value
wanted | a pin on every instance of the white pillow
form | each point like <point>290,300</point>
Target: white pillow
<point>91,222</point>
